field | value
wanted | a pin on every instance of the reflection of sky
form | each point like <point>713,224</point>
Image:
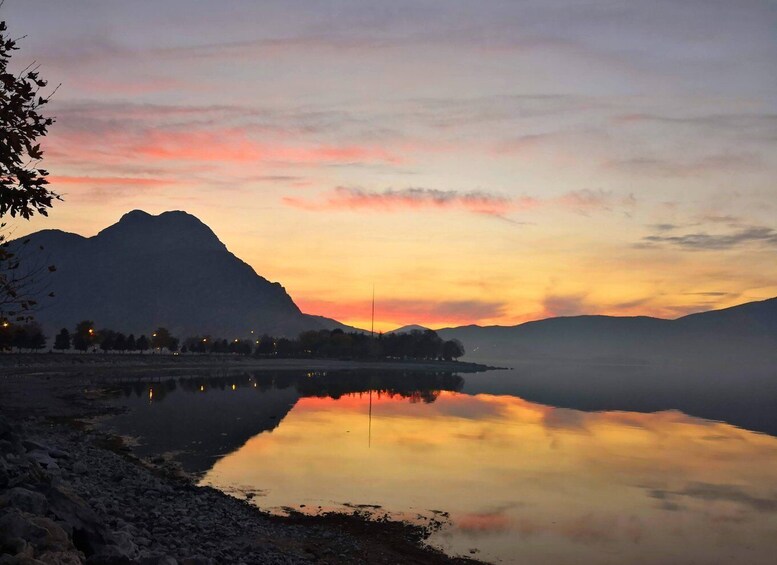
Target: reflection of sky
<point>528,482</point>
<point>554,157</point>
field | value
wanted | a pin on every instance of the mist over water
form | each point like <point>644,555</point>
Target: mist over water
<point>540,463</point>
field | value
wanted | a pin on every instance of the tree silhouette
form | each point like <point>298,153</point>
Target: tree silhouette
<point>161,338</point>
<point>23,184</point>
<point>120,342</point>
<point>37,339</point>
<point>452,349</point>
<point>142,344</point>
<point>20,337</point>
<point>62,341</point>
<point>131,343</point>
<point>28,336</point>
<point>266,346</point>
<point>107,339</point>
<point>84,336</point>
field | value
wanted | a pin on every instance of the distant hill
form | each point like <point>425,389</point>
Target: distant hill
<point>168,270</point>
<point>408,329</point>
<point>743,334</point>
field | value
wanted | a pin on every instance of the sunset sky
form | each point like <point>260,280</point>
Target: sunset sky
<point>478,162</point>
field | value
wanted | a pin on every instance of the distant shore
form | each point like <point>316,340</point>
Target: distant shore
<point>31,363</point>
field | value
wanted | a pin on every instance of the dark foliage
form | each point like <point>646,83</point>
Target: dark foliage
<point>84,336</point>
<point>22,337</point>
<point>62,341</point>
<point>340,345</point>
<point>23,184</point>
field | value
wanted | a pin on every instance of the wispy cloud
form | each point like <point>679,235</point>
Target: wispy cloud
<point>392,200</point>
<point>671,167</point>
<point>701,241</point>
<point>477,202</point>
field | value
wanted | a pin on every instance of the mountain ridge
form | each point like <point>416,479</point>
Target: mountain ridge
<point>729,333</point>
<point>170,270</point>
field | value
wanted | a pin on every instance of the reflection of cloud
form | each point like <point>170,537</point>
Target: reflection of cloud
<point>590,528</point>
<point>486,522</point>
<point>565,419</point>
<point>720,493</point>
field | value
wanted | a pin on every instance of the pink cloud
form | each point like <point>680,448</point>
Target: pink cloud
<point>410,198</point>
<point>110,181</point>
<point>478,202</point>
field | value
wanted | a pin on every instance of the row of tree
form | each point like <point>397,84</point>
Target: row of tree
<point>356,345</point>
<point>323,343</point>
<point>86,338</point>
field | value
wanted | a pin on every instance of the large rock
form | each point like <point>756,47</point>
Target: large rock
<point>25,500</point>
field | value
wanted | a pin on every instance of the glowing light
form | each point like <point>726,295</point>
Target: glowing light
<point>150,394</point>
<point>202,388</point>
<point>234,387</point>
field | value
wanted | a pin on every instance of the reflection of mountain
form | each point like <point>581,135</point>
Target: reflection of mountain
<point>200,426</point>
<point>744,398</point>
<point>745,334</point>
<point>204,418</point>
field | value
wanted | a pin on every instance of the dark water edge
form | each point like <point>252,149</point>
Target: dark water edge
<point>736,393</point>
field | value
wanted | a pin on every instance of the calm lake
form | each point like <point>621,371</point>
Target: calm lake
<point>537,464</point>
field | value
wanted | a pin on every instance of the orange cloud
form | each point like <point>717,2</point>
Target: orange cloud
<point>400,312</point>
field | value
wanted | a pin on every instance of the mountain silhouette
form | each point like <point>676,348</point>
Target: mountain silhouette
<point>168,270</point>
<point>408,329</point>
<point>744,334</point>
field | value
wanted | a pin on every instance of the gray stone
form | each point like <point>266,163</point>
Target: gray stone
<point>25,500</point>
<point>16,526</point>
<point>80,468</point>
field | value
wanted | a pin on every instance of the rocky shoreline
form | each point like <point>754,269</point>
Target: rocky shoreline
<point>71,494</point>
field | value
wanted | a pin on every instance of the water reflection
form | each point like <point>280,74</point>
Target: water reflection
<point>525,482</point>
<point>522,481</point>
<point>203,417</point>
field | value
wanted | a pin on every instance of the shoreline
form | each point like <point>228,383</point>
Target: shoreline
<point>72,492</point>
<point>58,363</point>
